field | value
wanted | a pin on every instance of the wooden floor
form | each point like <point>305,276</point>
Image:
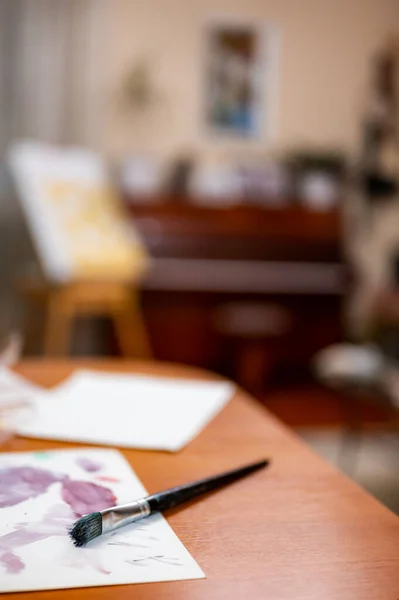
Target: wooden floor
<point>371,459</point>
<point>310,405</point>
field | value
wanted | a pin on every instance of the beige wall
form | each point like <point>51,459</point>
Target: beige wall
<point>326,46</point>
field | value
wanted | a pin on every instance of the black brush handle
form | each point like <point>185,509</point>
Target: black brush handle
<point>182,493</point>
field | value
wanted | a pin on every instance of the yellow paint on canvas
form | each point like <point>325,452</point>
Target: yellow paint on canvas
<point>94,231</point>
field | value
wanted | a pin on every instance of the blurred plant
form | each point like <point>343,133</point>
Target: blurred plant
<point>380,129</point>
<point>139,92</point>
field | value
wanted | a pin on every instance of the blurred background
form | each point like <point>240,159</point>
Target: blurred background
<point>253,150</point>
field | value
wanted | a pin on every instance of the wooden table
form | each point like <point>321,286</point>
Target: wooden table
<point>299,530</point>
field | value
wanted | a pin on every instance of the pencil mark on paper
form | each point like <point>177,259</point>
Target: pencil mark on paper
<point>128,544</point>
<point>141,560</point>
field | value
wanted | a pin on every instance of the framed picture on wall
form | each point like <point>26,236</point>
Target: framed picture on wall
<point>240,78</point>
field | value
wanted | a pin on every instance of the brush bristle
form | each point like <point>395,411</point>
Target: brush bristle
<point>86,529</point>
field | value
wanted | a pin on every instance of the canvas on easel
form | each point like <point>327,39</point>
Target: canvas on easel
<point>74,216</point>
<point>89,252</point>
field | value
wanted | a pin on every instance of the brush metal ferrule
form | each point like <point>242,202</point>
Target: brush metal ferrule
<point>118,516</point>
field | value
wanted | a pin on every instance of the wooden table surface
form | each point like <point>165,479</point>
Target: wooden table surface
<point>298,530</point>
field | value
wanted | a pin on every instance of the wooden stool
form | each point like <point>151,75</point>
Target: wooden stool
<point>64,303</point>
<point>248,329</point>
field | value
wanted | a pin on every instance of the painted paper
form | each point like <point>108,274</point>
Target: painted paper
<point>42,494</point>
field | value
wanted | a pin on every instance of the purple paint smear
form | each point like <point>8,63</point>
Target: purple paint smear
<point>85,497</point>
<point>86,558</point>
<point>12,562</point>
<point>21,483</point>
<point>89,465</point>
<point>81,497</point>
<point>54,522</point>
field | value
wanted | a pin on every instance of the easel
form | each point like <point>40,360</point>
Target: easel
<point>64,303</point>
<point>81,237</point>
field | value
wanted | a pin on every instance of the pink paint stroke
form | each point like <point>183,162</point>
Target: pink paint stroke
<point>107,479</point>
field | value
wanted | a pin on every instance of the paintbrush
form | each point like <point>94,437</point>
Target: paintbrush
<point>95,524</point>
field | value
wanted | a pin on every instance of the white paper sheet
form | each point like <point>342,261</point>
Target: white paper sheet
<point>16,401</point>
<point>126,410</point>
<point>42,494</point>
